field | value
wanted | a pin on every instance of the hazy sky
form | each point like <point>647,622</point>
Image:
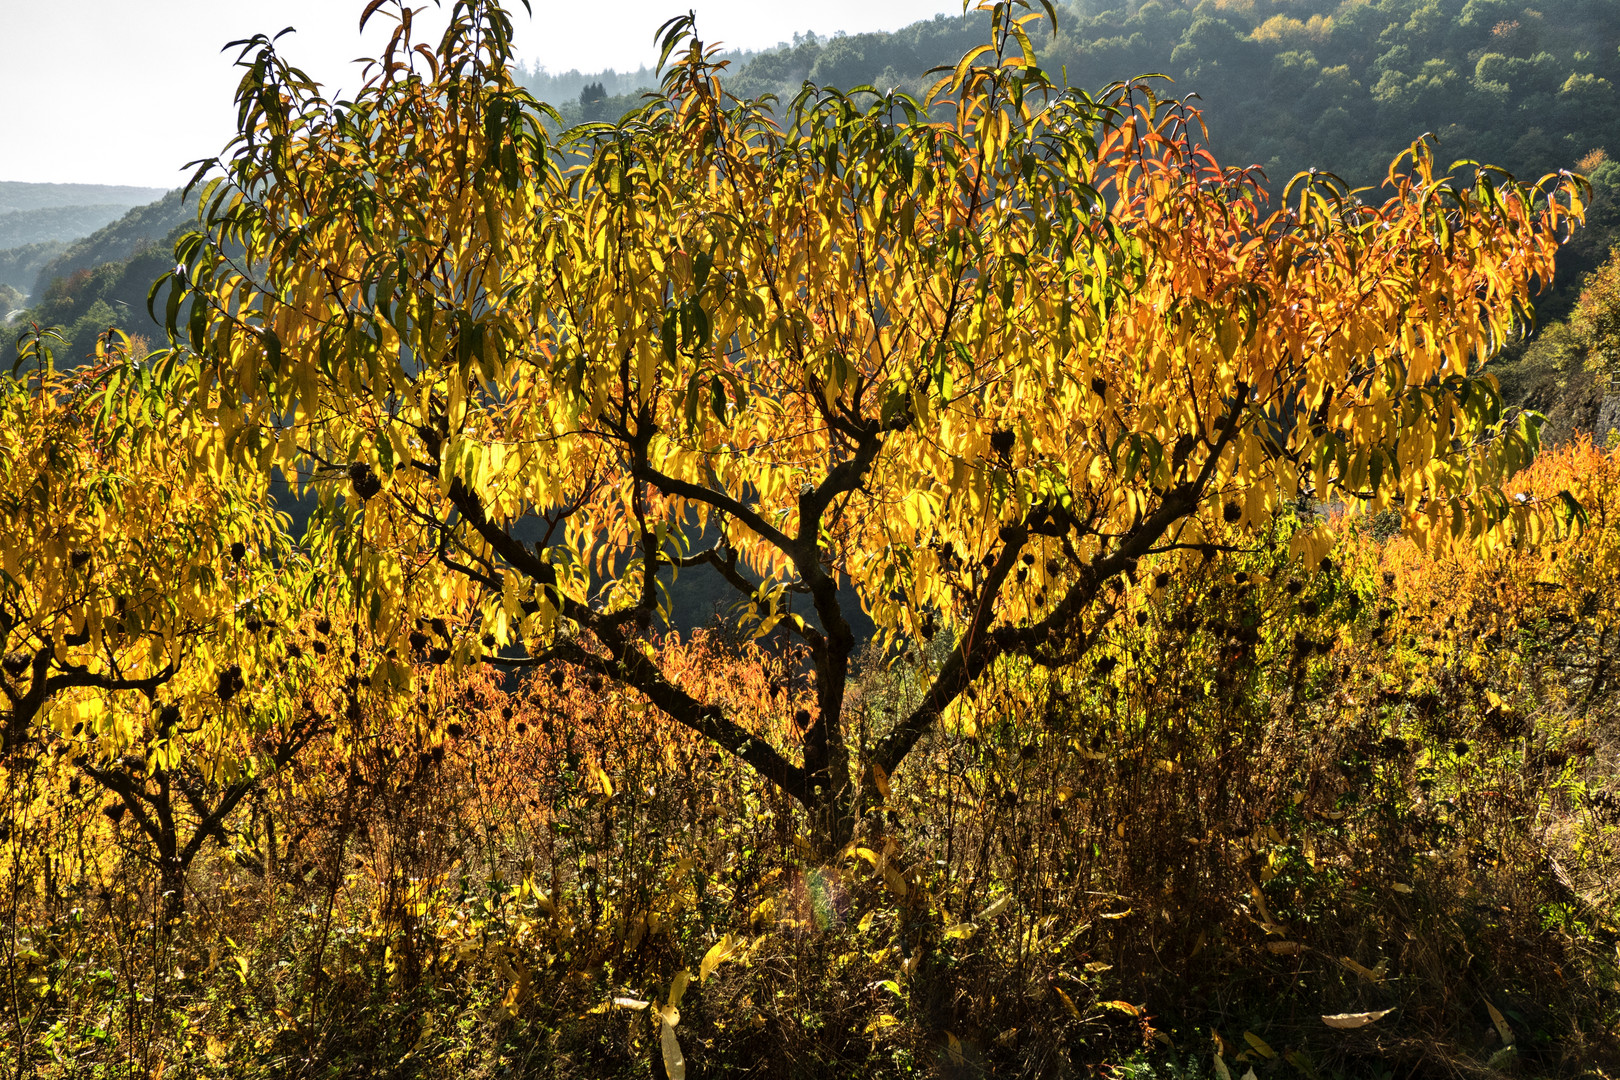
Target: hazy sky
<point>127,91</point>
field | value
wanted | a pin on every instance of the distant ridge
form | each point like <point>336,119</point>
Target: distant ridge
<point>139,228</point>
<point>17,195</point>
<point>60,223</point>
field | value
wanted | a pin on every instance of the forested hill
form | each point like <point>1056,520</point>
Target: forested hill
<point>99,280</point>
<point>1296,84</point>
<point>1345,86</point>
<point>1285,84</point>
<point>16,195</point>
<point>1289,85</point>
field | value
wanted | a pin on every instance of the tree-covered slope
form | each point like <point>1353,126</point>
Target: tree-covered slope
<point>17,195</point>
<point>103,279</point>
<point>121,239</point>
<point>1343,86</point>
<point>1337,85</point>
<point>60,223</point>
<point>20,266</point>
<point>1289,85</point>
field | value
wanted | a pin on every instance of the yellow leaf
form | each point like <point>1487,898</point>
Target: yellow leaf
<point>763,912</point>
<point>677,988</point>
<point>1373,975</point>
<point>674,1060</point>
<point>1121,1006</point>
<point>961,930</point>
<point>1068,1002</point>
<point>1501,1023</point>
<point>996,907</point>
<point>1351,1021</point>
<point>1259,1045</point>
<point>721,951</point>
<point>881,779</point>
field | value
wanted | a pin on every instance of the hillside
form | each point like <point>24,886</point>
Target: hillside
<point>1345,86</point>
<point>119,239</point>
<point>20,266</point>
<point>16,195</point>
<point>861,600</point>
<point>102,279</point>
<point>38,221</point>
<point>1340,86</point>
<point>1337,85</point>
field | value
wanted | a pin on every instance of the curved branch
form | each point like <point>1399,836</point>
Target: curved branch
<point>631,667</point>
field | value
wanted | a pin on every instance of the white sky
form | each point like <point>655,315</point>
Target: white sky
<point>128,91</point>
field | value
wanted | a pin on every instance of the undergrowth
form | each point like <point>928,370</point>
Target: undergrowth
<point>1382,788</point>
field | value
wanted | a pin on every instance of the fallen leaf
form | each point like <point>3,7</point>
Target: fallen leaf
<point>674,1060</point>
<point>1501,1023</point>
<point>997,906</point>
<point>677,987</point>
<point>1373,975</point>
<point>718,953</point>
<point>881,779</point>
<point>1259,1045</point>
<point>1351,1021</point>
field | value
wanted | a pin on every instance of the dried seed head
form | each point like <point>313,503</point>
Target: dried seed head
<point>366,484</point>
